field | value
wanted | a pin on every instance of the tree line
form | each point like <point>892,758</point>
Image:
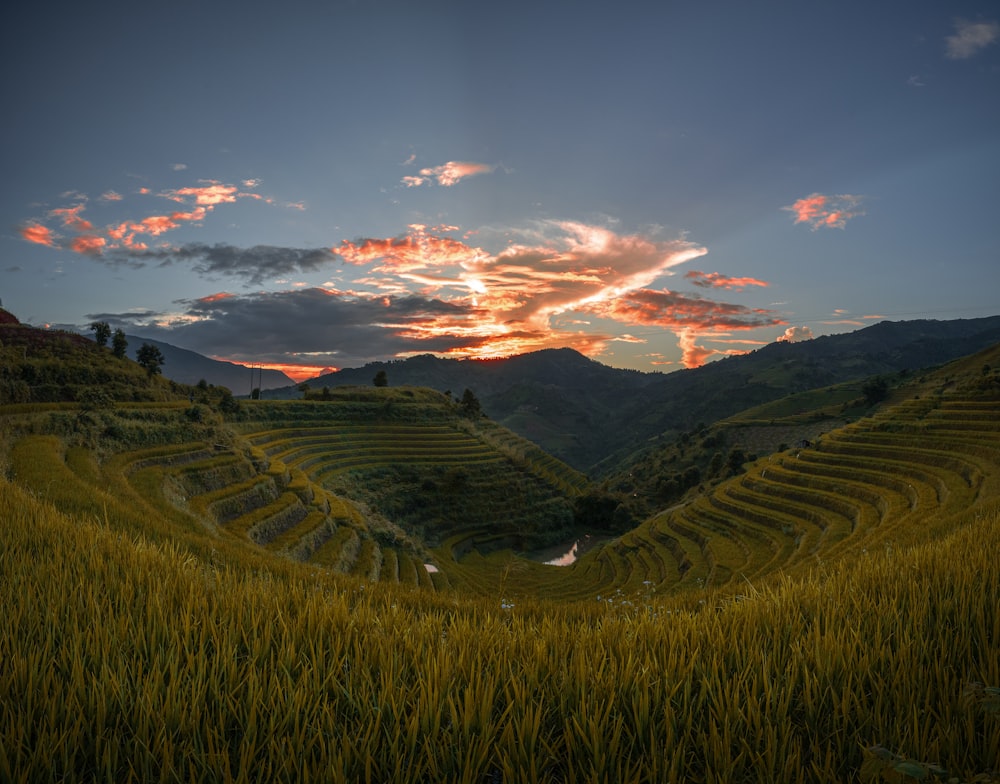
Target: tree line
<point>148,355</point>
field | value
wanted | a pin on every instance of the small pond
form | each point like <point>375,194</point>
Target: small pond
<point>566,553</point>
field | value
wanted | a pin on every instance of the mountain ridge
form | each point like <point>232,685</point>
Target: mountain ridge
<point>591,415</point>
<point>189,367</point>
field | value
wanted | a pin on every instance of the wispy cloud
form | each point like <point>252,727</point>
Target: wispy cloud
<point>970,37</point>
<point>431,289</point>
<point>425,292</point>
<point>710,280</point>
<point>448,174</point>
<point>681,312</point>
<point>822,211</point>
<point>122,238</point>
<point>254,265</point>
<point>563,266</point>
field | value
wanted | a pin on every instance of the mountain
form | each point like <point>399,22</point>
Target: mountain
<point>591,415</point>
<point>189,367</point>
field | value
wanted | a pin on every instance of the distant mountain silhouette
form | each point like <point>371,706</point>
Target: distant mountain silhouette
<point>189,367</point>
<point>586,413</point>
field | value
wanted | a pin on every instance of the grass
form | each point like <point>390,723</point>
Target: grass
<point>829,613</point>
<point>176,669</point>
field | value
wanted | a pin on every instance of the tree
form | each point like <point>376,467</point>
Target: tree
<point>470,405</point>
<point>304,389</point>
<point>875,390</point>
<point>150,357</point>
<point>102,332</point>
<point>381,379</point>
<point>227,403</point>
<point>119,344</point>
<point>737,457</point>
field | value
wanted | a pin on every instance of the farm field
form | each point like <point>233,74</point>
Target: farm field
<point>339,590</point>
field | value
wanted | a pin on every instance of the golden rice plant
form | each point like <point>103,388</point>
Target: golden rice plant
<point>126,659</point>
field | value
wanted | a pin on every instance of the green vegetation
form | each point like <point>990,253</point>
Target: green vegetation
<point>334,588</point>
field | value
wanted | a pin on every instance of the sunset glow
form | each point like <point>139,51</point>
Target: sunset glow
<point>342,183</point>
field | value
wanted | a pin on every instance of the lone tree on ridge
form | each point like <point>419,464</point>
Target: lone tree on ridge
<point>102,332</point>
<point>119,344</point>
<point>150,357</point>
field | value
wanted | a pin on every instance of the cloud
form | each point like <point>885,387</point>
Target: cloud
<point>323,326</point>
<point>448,174</point>
<point>116,241</point>
<point>255,265</point>
<point>718,280</point>
<point>70,217</point>
<point>88,244</point>
<point>693,355</point>
<point>680,312</point>
<point>796,335</point>
<point>416,250</point>
<point>821,211</point>
<point>428,292</point>
<point>560,266</point>
<point>970,38</point>
<point>178,166</point>
<point>430,289</point>
<point>208,195</point>
<point>40,235</point>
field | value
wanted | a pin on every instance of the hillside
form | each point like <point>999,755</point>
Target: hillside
<point>593,416</point>
<point>190,597</point>
<point>189,367</point>
<point>186,653</point>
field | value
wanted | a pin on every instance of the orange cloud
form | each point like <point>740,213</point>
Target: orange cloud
<point>693,355</point>
<point>122,236</point>
<point>206,195</point>
<point>417,250</point>
<point>88,244</point>
<point>70,217</point>
<point>680,312</point>
<point>513,301</point>
<point>448,174</point>
<point>718,280</point>
<point>215,297</point>
<point>516,294</point>
<point>821,211</point>
<point>40,235</point>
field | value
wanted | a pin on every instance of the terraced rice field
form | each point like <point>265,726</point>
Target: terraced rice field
<point>445,504</point>
<point>860,487</point>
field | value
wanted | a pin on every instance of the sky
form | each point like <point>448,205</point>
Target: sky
<point>318,185</point>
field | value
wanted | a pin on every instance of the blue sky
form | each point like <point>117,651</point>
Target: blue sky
<point>322,184</point>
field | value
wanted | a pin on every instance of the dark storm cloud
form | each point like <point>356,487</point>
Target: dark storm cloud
<point>314,325</point>
<point>256,264</point>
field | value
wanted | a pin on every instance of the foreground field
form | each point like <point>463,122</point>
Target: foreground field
<point>335,591</point>
<point>128,660</point>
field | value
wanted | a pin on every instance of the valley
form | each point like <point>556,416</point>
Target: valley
<point>343,586</point>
